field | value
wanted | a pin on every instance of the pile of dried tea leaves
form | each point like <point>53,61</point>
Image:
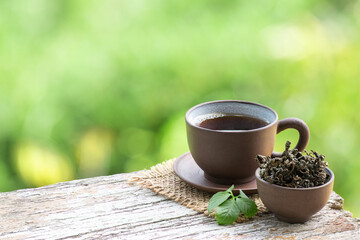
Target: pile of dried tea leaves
<point>293,169</point>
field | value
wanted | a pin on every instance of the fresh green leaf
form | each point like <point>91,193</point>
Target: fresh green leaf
<point>227,212</point>
<point>217,199</point>
<point>230,189</point>
<point>242,194</point>
<point>246,206</point>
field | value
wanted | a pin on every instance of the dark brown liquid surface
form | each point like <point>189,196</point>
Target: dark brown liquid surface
<point>233,122</point>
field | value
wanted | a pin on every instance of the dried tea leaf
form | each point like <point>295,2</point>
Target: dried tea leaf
<point>294,169</point>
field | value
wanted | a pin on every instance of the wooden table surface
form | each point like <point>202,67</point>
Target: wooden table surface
<point>111,208</point>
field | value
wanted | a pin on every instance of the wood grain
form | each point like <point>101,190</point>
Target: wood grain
<point>111,208</point>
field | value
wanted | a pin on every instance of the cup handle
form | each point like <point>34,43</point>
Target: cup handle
<point>300,126</point>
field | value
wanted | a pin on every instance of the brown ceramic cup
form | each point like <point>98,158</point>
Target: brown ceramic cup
<point>228,156</point>
<point>294,205</point>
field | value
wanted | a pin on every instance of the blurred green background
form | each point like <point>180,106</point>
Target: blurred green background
<point>92,88</point>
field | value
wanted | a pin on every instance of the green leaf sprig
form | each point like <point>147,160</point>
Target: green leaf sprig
<point>228,207</point>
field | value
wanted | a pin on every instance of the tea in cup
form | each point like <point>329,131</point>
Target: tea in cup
<point>225,136</point>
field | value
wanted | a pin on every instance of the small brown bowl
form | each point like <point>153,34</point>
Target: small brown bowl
<point>294,205</point>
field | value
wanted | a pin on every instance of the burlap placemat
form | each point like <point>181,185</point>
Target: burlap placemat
<point>162,179</point>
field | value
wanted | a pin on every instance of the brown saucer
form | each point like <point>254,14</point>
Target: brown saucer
<point>187,169</point>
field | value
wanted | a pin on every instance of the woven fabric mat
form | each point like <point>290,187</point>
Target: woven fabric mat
<point>162,179</point>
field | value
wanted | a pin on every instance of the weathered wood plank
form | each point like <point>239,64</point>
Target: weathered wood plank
<point>109,207</point>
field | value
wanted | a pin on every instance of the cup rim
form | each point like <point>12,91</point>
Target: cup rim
<point>328,170</point>
<point>231,131</point>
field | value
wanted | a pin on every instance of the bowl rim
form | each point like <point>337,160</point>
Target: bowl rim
<point>328,171</point>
